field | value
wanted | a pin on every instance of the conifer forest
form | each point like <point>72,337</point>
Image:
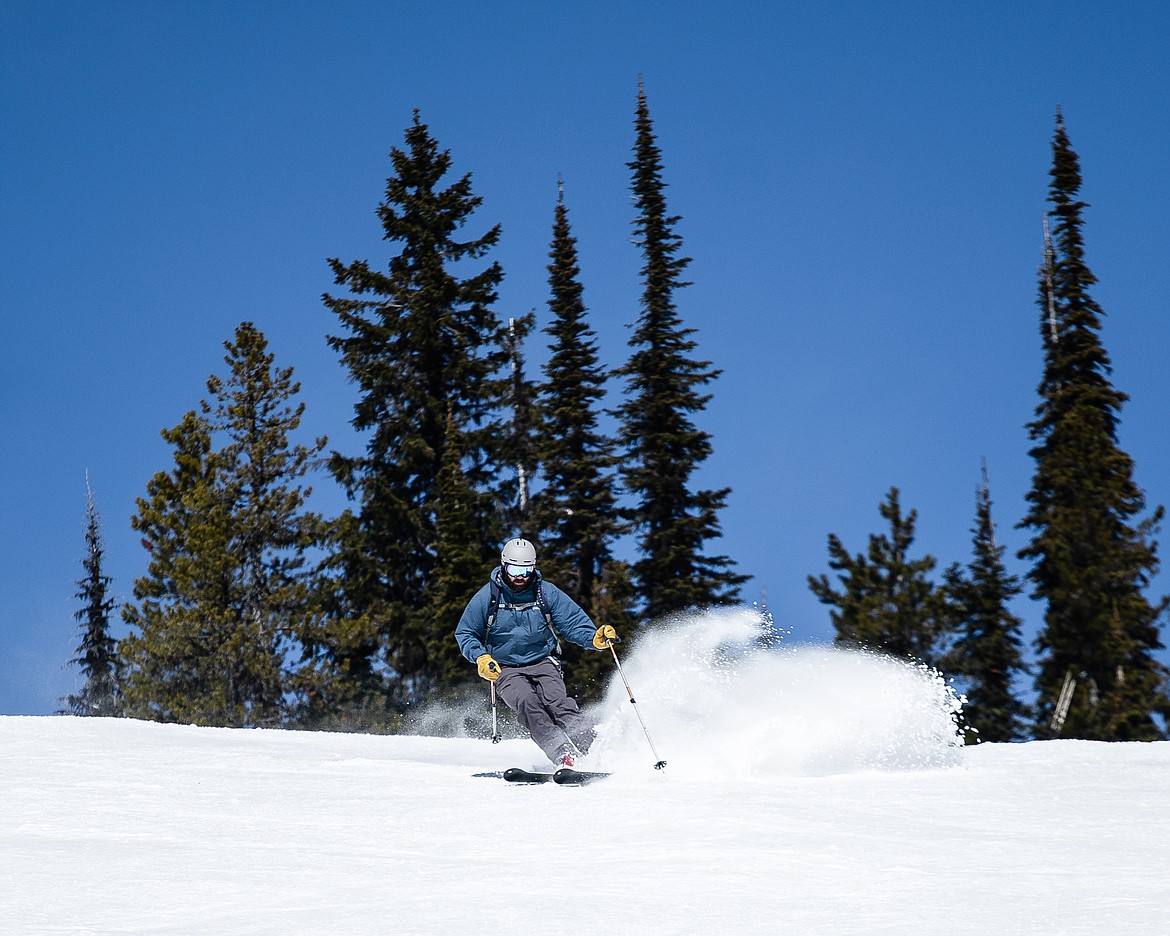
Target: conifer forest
<point>252,609</point>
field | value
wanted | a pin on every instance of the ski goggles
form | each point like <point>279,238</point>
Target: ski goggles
<point>519,571</point>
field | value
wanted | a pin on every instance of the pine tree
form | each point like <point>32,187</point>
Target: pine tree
<point>227,592</point>
<point>887,602</point>
<point>575,515</point>
<point>1093,558</point>
<point>988,652</point>
<point>463,558</point>
<point>521,433</point>
<point>576,511</point>
<point>427,344</point>
<point>664,447</point>
<point>337,681</point>
<point>97,651</point>
<point>168,663</point>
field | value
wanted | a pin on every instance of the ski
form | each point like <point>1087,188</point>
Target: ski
<point>567,775</point>
<point>519,775</point>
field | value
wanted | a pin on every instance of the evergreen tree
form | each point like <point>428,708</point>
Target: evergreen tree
<point>168,664</point>
<point>97,652</point>
<point>463,558</point>
<point>614,601</point>
<point>338,681</point>
<point>522,442</point>
<point>576,511</point>
<point>227,592</point>
<point>987,654</point>
<point>887,602</point>
<point>427,344</point>
<point>663,383</point>
<point>575,515</point>
<point>1093,558</point>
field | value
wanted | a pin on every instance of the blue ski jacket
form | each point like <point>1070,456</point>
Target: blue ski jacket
<point>520,635</point>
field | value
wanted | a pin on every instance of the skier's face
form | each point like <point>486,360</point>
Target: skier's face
<point>519,577</point>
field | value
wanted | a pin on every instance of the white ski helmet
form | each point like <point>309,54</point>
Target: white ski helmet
<point>518,552</point>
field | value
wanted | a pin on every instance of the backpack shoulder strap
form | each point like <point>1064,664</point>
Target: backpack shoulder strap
<point>544,608</point>
<point>493,604</point>
<point>546,612</point>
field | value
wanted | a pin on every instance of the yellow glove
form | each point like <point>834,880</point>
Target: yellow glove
<point>488,668</point>
<point>605,636</point>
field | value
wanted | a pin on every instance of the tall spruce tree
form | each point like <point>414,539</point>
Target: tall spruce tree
<point>1093,557</point>
<point>426,348</point>
<point>576,510</point>
<point>522,427</point>
<point>887,601</point>
<point>97,652</point>
<point>227,592</point>
<point>575,514</point>
<point>988,652</point>
<point>664,448</point>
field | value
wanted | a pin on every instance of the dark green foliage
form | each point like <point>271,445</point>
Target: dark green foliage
<point>614,598</point>
<point>613,601</point>
<point>463,559</point>
<point>1093,558</point>
<point>988,652</point>
<point>425,349</point>
<point>338,683</point>
<point>663,385</point>
<point>887,602</point>
<point>226,594</point>
<point>171,667</point>
<point>575,515</point>
<point>521,434</point>
<point>97,653</point>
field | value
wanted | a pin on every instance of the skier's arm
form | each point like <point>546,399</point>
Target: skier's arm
<point>570,620</point>
<point>471,631</point>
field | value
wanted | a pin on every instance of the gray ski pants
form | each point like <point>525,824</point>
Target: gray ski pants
<point>537,694</point>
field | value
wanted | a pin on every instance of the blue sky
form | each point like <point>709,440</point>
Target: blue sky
<point>861,186</point>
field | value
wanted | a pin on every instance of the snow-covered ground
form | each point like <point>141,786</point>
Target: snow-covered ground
<point>807,791</point>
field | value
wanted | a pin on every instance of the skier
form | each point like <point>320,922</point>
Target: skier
<point>507,631</point>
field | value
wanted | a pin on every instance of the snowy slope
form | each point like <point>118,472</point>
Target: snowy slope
<point>807,792</point>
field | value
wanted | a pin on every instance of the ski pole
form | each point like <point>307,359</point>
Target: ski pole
<point>659,763</point>
<point>495,728</point>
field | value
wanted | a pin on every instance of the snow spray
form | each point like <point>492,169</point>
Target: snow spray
<point>725,700</point>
